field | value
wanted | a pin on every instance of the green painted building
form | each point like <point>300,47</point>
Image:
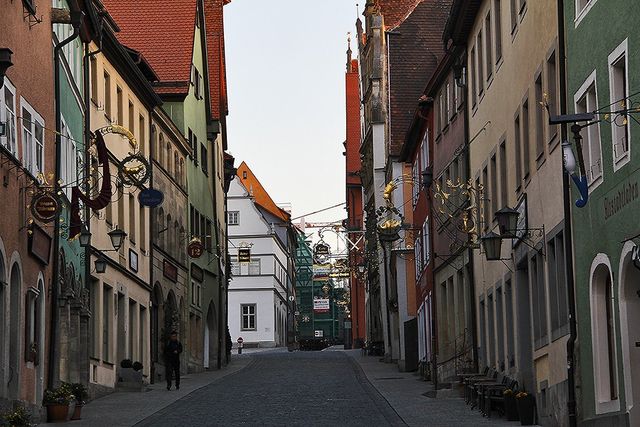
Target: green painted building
<point>602,65</point>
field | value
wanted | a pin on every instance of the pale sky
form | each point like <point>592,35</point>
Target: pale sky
<point>286,62</point>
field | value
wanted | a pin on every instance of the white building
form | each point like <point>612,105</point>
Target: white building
<point>260,289</point>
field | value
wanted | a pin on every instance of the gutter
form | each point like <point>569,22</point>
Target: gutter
<point>76,21</point>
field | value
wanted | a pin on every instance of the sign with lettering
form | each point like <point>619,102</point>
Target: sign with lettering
<point>39,244</point>
<point>169,271</point>
<point>195,249</point>
<point>620,199</point>
<point>151,198</point>
<point>321,305</point>
<point>321,271</point>
<point>244,255</point>
<point>44,207</point>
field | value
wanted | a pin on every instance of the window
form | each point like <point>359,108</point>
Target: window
<point>492,332</point>
<point>233,217</point>
<point>161,150</point>
<point>248,313</point>
<point>119,106</point>
<point>557,287</point>
<point>582,8</point>
<point>482,340</point>
<point>32,325</point>
<point>196,296</point>
<point>481,59</point>
<point>141,134</point>
<point>107,319</point>
<point>494,184</point>
<point>514,15</point>
<point>426,254</point>
<point>603,335</point>
<point>107,95</point>
<point>195,149</point>
<point>204,158</point>
<point>235,267</point>
<point>488,45</point>
<point>196,81</point>
<point>415,186</point>
<point>131,123</point>
<point>143,228</point>
<point>518,148</point>
<point>209,237</point>
<point>176,165</point>
<point>472,75</point>
<point>32,140</point>
<point>619,90</point>
<point>69,154</point>
<point>120,221</point>
<point>418,255</point>
<point>486,214</point>
<point>526,148</point>
<point>254,267</point>
<point>539,118</point>
<point>93,65</point>
<point>586,100</point>
<point>504,197</point>
<point>447,105</point>
<point>132,219</point>
<point>539,301</point>
<point>497,16</point>
<point>8,116</point>
<point>500,328</point>
<point>553,100</point>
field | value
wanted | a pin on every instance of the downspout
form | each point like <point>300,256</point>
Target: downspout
<point>568,240</point>
<point>76,21</point>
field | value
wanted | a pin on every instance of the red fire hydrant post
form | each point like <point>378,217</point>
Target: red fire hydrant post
<point>240,341</point>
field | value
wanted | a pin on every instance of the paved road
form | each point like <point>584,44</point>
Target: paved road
<point>301,388</point>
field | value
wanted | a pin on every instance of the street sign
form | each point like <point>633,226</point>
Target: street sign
<point>319,334</point>
<point>240,340</point>
<point>244,255</point>
<point>195,249</point>
<point>150,197</point>
<point>321,305</point>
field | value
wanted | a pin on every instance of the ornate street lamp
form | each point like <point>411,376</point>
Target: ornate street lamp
<point>507,222</point>
<point>117,238</point>
<point>85,238</point>
<point>492,245</point>
<point>100,265</point>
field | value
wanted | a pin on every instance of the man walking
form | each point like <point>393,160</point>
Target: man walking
<point>172,359</point>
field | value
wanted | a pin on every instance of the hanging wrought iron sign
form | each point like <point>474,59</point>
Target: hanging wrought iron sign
<point>150,197</point>
<point>134,170</point>
<point>321,253</point>
<point>195,249</point>
<point>44,206</point>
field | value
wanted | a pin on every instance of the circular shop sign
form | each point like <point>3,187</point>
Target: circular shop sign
<point>150,197</point>
<point>44,207</point>
<point>195,249</point>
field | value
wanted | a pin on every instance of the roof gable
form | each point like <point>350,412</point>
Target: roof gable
<point>163,31</point>
<point>262,198</point>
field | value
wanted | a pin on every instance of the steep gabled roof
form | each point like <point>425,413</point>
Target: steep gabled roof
<point>260,195</point>
<point>396,11</point>
<point>162,31</point>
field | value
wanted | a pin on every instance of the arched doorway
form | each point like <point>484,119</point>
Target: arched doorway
<point>15,285</point>
<point>210,338</point>
<point>629,296</point>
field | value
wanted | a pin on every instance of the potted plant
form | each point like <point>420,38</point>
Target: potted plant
<point>126,363</point>
<point>57,401</point>
<point>526,408</point>
<point>16,418</point>
<point>510,405</point>
<point>137,366</point>
<point>81,395</point>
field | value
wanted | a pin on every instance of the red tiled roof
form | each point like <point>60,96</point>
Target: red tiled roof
<point>162,30</point>
<point>214,28</point>
<point>396,11</point>
<point>260,195</point>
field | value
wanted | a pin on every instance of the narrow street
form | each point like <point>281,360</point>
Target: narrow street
<point>274,387</point>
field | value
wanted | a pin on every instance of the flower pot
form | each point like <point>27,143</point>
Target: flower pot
<point>77,412</point>
<point>526,410</point>
<point>57,413</point>
<point>511,408</point>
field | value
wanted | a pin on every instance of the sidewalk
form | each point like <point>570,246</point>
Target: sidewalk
<point>404,392</point>
<point>124,409</point>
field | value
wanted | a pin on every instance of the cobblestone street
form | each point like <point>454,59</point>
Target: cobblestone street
<point>275,387</point>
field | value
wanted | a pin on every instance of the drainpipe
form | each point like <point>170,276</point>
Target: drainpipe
<point>568,239</point>
<point>76,21</point>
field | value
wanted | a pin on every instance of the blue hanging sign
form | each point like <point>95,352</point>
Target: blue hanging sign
<point>150,197</point>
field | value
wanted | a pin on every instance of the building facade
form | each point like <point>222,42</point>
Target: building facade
<point>259,294</point>
<point>515,162</point>
<point>601,65</point>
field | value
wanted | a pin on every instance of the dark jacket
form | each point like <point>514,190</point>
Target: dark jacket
<point>172,351</point>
